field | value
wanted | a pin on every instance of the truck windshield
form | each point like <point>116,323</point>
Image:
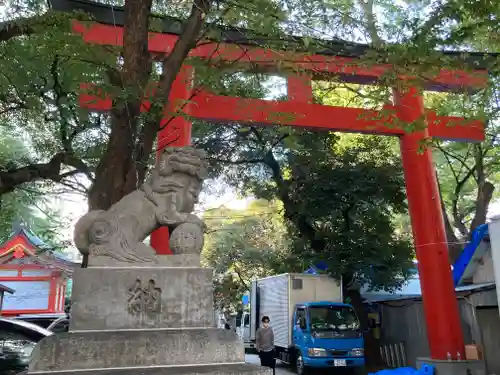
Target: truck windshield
<point>339,318</point>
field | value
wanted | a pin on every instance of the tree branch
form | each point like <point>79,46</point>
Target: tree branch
<point>31,25</point>
<point>237,162</point>
<point>318,243</point>
<point>188,38</point>
<point>238,273</point>
<point>10,179</point>
<point>442,12</point>
<point>371,23</point>
<point>485,190</point>
<point>457,217</point>
<point>454,248</point>
<point>171,67</point>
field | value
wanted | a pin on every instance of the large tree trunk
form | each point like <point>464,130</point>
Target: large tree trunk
<point>124,163</point>
<point>484,196</point>
<point>116,175</point>
<point>455,247</point>
<point>485,190</point>
<point>122,166</point>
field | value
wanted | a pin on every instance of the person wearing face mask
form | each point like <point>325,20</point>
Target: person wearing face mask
<point>264,343</point>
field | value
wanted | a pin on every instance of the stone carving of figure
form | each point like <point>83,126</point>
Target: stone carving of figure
<point>167,198</point>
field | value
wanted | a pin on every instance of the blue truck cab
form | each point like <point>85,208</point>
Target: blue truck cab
<point>326,335</point>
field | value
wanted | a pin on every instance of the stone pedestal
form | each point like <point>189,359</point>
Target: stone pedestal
<point>454,367</point>
<point>142,320</point>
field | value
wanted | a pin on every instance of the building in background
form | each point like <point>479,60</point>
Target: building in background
<point>403,335</point>
<point>36,272</point>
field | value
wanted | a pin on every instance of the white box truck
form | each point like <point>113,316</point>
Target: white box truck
<point>312,326</point>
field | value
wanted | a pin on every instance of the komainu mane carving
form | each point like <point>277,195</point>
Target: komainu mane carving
<point>167,198</point>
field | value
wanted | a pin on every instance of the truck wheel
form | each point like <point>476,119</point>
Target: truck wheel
<point>300,368</point>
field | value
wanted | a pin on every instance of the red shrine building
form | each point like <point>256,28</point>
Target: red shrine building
<point>37,275</point>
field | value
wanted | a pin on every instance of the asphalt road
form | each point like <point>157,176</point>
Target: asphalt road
<point>281,368</point>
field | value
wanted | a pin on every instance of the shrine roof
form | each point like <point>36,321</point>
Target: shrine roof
<point>114,15</point>
<point>39,248</point>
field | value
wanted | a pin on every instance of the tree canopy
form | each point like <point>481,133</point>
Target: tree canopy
<point>338,194</point>
<point>44,63</point>
<point>243,245</point>
<point>30,204</point>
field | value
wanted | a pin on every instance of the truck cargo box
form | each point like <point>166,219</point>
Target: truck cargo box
<point>278,296</point>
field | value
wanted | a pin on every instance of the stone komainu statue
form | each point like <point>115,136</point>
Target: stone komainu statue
<point>167,198</point>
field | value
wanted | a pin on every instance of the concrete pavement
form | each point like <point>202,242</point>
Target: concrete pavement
<point>281,368</point>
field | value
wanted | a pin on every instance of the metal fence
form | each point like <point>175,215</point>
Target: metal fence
<point>394,355</point>
<point>404,334</point>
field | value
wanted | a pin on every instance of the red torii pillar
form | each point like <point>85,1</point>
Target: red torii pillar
<point>438,291</point>
<point>175,131</point>
<point>442,316</point>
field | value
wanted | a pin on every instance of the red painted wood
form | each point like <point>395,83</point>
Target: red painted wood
<point>13,243</point>
<point>349,67</point>
<point>20,244</point>
<point>22,312</point>
<point>23,266</point>
<point>5,267</point>
<point>25,278</point>
<point>52,294</point>
<point>175,131</point>
<point>299,88</point>
<point>63,295</point>
<point>59,302</point>
<point>438,293</point>
<point>222,109</point>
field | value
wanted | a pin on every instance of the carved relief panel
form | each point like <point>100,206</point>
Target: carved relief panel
<point>144,299</point>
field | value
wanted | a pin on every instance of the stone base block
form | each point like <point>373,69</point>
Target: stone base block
<point>454,367</point>
<point>128,349</point>
<point>172,260</point>
<point>139,298</point>
<point>220,369</point>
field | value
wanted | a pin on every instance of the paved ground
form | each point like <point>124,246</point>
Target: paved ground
<point>281,368</point>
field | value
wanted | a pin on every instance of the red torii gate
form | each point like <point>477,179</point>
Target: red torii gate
<point>441,310</point>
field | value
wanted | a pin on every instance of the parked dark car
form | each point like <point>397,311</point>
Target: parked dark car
<point>43,320</point>
<point>59,325</point>
<point>17,341</point>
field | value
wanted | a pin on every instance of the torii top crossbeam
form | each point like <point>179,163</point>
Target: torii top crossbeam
<point>336,57</point>
<point>342,61</point>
